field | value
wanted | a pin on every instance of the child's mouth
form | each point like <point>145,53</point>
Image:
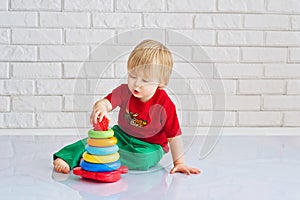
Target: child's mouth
<point>136,92</point>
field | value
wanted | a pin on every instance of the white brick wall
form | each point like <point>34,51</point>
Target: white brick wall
<point>238,61</point>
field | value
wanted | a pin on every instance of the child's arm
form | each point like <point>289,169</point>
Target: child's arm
<point>100,109</point>
<point>177,150</point>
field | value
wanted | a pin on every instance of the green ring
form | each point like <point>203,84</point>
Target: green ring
<point>101,134</point>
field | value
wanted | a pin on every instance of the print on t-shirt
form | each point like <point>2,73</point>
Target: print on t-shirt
<point>132,120</point>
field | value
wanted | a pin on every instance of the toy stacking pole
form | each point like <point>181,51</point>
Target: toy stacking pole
<point>101,159</point>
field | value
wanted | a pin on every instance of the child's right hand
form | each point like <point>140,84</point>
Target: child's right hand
<point>100,110</point>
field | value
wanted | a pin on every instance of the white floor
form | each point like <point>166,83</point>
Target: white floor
<point>239,167</point>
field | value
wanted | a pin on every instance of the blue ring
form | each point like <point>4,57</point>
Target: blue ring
<point>101,151</point>
<point>92,167</point>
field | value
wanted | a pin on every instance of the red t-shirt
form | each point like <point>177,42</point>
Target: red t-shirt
<point>153,121</point>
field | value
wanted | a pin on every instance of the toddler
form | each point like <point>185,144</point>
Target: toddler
<point>147,121</point>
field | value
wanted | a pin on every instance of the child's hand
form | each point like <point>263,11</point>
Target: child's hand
<point>182,168</point>
<point>100,110</point>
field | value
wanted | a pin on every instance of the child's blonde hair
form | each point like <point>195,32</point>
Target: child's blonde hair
<point>153,59</point>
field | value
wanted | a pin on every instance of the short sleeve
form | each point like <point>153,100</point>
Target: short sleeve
<point>171,127</point>
<point>118,96</point>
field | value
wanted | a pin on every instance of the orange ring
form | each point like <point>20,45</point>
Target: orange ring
<point>102,142</point>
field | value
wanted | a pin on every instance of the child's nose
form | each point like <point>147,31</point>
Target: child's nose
<point>138,83</point>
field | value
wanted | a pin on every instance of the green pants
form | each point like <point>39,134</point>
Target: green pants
<point>134,153</point>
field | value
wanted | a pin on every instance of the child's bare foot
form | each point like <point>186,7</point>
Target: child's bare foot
<point>61,166</point>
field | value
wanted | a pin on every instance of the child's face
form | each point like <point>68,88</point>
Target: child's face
<point>141,86</point>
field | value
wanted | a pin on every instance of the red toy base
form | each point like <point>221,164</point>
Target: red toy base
<point>107,177</point>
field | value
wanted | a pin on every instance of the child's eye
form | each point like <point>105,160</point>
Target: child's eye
<point>132,76</point>
<point>145,81</point>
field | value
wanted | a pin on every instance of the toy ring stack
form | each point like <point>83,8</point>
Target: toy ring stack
<point>101,158</point>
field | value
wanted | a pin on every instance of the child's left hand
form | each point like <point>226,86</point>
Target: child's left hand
<point>182,168</point>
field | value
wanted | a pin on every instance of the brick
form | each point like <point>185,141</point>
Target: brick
<point>140,6</point>
<point>291,119</point>
<point>88,70</point>
<point>239,38</point>
<point>37,103</point>
<point>18,19</point>
<point>267,22</point>
<point>36,5</point>
<point>17,87</point>
<point>241,6</point>
<point>64,20</point>
<point>109,53</point>
<point>121,70</point>
<point>17,120</point>
<point>192,70</point>
<point>18,53</point>
<point>237,103</point>
<point>159,20</point>
<point>62,120</point>
<point>259,119</point>
<point>215,54</point>
<point>282,70</point>
<point>80,102</point>
<point>5,103</point>
<point>4,70</point>
<point>253,54</point>
<point>261,87</point>
<point>4,36</point>
<point>4,5</point>
<point>283,6</point>
<point>226,87</point>
<point>283,38</point>
<point>281,103</point>
<point>133,37</point>
<point>101,86</point>
<point>191,37</point>
<point>191,5</point>
<point>64,53</point>
<point>180,86</point>
<point>293,87</point>
<point>238,71</point>
<point>61,86</point>
<point>294,54</point>
<point>36,70</point>
<point>181,53</point>
<point>117,20</point>
<point>214,21</point>
<point>84,36</point>
<point>94,5</point>
<point>211,118</point>
<point>192,102</point>
<point>295,21</point>
<point>36,36</point>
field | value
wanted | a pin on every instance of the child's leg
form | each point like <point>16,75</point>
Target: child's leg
<point>137,154</point>
<point>70,154</point>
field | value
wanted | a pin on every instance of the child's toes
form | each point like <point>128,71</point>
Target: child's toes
<point>66,170</point>
<point>61,166</point>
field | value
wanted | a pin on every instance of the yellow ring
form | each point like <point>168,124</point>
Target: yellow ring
<point>102,142</point>
<point>101,159</point>
<point>101,134</point>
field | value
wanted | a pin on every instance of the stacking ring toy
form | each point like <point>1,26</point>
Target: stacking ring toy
<point>101,134</point>
<point>92,167</point>
<point>101,159</point>
<point>102,142</point>
<point>107,177</point>
<point>101,151</point>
